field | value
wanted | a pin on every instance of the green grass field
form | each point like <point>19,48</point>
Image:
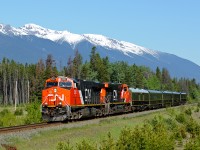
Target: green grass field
<point>93,133</point>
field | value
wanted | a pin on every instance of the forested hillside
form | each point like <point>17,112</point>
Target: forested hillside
<point>23,83</point>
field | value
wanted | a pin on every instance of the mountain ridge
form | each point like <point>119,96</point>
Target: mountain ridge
<point>34,42</point>
<point>36,30</point>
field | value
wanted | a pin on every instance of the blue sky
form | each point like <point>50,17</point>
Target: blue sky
<point>171,26</point>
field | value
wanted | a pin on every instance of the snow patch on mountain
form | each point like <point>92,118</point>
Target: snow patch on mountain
<point>9,30</point>
<point>73,39</point>
<point>36,30</point>
<point>123,46</point>
<point>52,35</point>
<point>33,42</point>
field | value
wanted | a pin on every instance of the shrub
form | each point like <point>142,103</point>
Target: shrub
<point>34,114</point>
<point>1,123</point>
<point>197,109</point>
<point>171,111</point>
<point>18,112</point>
<point>4,112</point>
<point>147,138</point>
<point>188,111</point>
<point>182,131</point>
<point>85,145</point>
<point>124,141</point>
<point>7,118</point>
<point>192,144</point>
<point>198,104</point>
<point>170,123</point>
<point>63,146</point>
<point>181,118</point>
<point>193,127</point>
<point>108,144</point>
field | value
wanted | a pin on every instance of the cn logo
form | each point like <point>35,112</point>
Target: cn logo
<point>88,94</point>
<point>56,96</point>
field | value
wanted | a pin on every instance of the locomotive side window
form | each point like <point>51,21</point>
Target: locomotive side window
<point>50,84</point>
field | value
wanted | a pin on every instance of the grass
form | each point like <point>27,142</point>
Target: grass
<point>94,133</point>
<point>10,117</point>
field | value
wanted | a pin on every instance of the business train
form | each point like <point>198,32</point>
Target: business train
<point>66,98</point>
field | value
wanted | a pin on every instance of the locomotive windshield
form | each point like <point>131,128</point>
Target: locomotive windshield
<point>65,84</point>
<point>50,84</point>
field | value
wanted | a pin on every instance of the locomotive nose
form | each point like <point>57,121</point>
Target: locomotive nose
<point>53,97</point>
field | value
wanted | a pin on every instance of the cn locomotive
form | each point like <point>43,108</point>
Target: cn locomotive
<point>66,98</point>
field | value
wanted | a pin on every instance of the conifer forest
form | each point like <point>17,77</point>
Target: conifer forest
<point>23,83</point>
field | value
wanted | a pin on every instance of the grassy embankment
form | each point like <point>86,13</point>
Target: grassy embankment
<point>179,126</point>
<point>26,114</point>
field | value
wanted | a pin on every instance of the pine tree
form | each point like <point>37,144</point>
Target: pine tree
<point>69,68</point>
<point>158,74</point>
<point>77,63</point>
<point>50,67</point>
<point>166,80</point>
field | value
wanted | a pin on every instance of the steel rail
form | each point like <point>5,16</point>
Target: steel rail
<point>27,127</point>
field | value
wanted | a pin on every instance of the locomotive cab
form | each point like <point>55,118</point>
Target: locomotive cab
<point>62,82</point>
<point>57,97</point>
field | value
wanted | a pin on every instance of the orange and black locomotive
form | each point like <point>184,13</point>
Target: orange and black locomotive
<point>65,98</point>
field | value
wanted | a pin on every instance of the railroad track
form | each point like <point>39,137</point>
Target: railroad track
<point>74,123</point>
<point>27,127</point>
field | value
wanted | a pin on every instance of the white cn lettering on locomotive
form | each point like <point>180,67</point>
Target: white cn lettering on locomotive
<point>88,94</point>
<point>114,95</point>
<point>56,96</point>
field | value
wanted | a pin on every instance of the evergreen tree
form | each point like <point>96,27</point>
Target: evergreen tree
<point>50,67</point>
<point>166,80</point>
<point>85,71</point>
<point>69,68</point>
<point>158,74</point>
<point>77,63</point>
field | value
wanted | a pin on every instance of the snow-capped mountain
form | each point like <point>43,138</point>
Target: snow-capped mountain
<point>32,42</point>
<point>73,39</point>
<point>38,31</point>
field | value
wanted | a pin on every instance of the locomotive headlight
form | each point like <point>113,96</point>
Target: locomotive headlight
<point>55,90</point>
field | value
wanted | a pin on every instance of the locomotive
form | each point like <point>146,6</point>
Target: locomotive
<point>66,98</point>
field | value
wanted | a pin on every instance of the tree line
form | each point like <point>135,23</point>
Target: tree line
<point>23,83</point>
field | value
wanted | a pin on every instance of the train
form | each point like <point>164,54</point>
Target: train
<point>65,99</point>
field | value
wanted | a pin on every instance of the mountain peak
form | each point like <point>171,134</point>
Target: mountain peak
<point>125,47</point>
<point>71,38</point>
<point>61,44</point>
<point>33,29</point>
<point>32,26</point>
<point>53,35</point>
